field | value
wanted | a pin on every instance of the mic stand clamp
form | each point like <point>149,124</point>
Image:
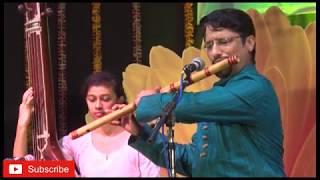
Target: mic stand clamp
<point>187,80</point>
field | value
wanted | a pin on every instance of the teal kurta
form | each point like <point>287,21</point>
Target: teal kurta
<point>238,133</point>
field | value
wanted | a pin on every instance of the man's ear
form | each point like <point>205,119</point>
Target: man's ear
<point>250,43</point>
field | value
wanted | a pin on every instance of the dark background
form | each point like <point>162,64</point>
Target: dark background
<point>162,24</point>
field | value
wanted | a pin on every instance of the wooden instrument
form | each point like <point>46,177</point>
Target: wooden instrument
<point>197,76</point>
<point>44,136</point>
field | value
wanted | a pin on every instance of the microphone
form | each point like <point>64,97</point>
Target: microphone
<point>196,64</point>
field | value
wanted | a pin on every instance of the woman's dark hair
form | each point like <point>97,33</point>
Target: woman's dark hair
<point>102,78</point>
<point>233,19</point>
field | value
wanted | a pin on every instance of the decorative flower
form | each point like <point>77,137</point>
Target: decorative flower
<point>286,55</point>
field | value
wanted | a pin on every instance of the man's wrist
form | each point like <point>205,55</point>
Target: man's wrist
<point>137,127</point>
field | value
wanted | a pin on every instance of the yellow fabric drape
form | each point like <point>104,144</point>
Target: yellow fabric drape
<point>188,24</point>
<point>96,37</point>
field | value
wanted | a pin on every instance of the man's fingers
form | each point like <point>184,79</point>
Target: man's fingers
<point>118,106</point>
<point>116,122</point>
<point>157,89</point>
<point>107,111</point>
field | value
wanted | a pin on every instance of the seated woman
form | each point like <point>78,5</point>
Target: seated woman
<point>103,152</point>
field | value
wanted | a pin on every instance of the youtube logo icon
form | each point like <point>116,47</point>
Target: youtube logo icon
<point>15,168</point>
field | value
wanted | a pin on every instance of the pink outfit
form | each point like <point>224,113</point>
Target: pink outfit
<point>124,161</point>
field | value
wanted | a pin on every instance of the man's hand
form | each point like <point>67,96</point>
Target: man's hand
<point>127,122</point>
<point>146,93</point>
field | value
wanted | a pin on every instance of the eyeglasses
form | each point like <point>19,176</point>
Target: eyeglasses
<point>221,42</point>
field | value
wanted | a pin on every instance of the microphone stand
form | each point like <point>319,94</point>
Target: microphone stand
<point>166,117</point>
<point>171,147</point>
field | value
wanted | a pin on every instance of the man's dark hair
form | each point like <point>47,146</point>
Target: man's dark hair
<point>233,19</point>
<point>102,78</point>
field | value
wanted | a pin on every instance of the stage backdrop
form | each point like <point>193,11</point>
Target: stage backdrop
<point>286,54</point>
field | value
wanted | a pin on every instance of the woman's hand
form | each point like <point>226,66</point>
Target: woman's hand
<point>20,148</point>
<point>26,108</point>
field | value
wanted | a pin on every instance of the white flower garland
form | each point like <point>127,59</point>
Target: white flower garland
<point>62,69</point>
<point>136,33</point>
